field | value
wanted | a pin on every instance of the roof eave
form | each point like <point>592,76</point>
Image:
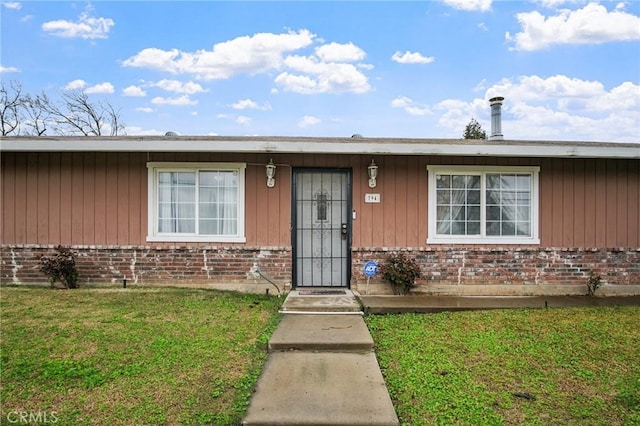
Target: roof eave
<point>290,145</point>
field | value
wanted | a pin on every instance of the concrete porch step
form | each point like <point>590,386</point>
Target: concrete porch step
<point>339,333</point>
<point>308,301</point>
<point>321,388</point>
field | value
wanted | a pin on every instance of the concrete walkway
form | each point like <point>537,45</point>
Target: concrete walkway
<point>321,368</point>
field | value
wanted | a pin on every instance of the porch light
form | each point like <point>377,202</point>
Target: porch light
<point>271,174</point>
<point>373,174</point>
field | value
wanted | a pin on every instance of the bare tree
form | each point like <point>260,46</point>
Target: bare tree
<point>73,114</point>
<point>37,114</point>
<point>76,115</point>
<point>116,127</point>
<point>11,104</point>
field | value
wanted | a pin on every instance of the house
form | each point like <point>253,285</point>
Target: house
<point>481,217</point>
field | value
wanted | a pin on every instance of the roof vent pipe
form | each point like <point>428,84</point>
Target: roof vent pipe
<point>496,118</point>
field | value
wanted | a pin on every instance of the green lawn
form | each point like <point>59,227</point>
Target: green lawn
<point>134,356</point>
<point>188,356</point>
<point>577,366</point>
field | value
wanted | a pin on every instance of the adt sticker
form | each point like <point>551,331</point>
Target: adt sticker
<point>370,268</point>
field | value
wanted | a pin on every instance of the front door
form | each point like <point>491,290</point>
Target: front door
<point>322,227</point>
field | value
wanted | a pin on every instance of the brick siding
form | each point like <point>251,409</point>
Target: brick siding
<point>153,265</point>
<point>180,265</point>
<point>513,266</point>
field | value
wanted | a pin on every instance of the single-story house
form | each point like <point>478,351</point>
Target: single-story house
<point>481,217</point>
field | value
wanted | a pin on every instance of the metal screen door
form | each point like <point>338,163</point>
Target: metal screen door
<point>322,228</point>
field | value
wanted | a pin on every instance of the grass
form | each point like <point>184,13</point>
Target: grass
<point>134,356</point>
<point>577,366</point>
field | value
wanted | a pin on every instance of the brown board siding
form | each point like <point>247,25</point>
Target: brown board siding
<point>101,198</point>
<point>578,203</point>
<point>589,203</point>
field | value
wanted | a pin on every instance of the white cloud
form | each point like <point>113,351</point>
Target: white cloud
<point>297,83</point>
<point>365,66</point>
<point>259,53</point>
<point>552,108</point>
<point>411,58</point>
<point>625,97</point>
<point>535,88</point>
<point>621,6</point>
<point>543,122</point>
<point>483,26</point>
<point>418,110</point>
<point>410,107</point>
<point>455,114</point>
<point>75,84</point>
<point>139,131</point>
<point>243,120</point>
<point>8,69</point>
<point>470,5</point>
<point>134,91</point>
<point>401,102</point>
<point>311,75</point>
<point>12,5</point>
<point>249,104</point>
<point>336,52</point>
<point>481,86</point>
<point>308,120</point>
<point>175,86</point>
<point>104,87</point>
<point>328,70</point>
<point>179,101</point>
<point>245,104</point>
<point>80,84</point>
<point>157,59</point>
<point>85,27</point>
<point>145,109</point>
<point>592,24</point>
<point>555,3</point>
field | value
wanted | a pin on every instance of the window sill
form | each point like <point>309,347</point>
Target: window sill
<point>194,239</point>
<point>484,241</point>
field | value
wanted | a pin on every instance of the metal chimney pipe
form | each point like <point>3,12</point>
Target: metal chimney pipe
<point>496,118</point>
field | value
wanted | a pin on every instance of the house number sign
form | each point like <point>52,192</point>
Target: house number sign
<point>371,198</point>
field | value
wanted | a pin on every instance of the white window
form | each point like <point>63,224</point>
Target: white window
<point>191,202</point>
<point>483,205</point>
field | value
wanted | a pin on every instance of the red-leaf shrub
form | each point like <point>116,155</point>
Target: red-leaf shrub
<point>60,267</point>
<point>401,272</point>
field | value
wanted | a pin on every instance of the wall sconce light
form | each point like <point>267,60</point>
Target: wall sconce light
<point>271,174</point>
<point>373,174</point>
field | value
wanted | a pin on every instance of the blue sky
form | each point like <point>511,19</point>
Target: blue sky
<point>568,69</point>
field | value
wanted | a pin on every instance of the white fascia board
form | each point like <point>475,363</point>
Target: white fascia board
<point>291,145</point>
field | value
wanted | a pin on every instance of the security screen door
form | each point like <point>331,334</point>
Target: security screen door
<point>321,229</point>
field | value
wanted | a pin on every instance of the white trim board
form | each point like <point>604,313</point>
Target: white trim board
<point>307,145</point>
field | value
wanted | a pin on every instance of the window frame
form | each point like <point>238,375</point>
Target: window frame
<point>153,171</point>
<point>483,171</point>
